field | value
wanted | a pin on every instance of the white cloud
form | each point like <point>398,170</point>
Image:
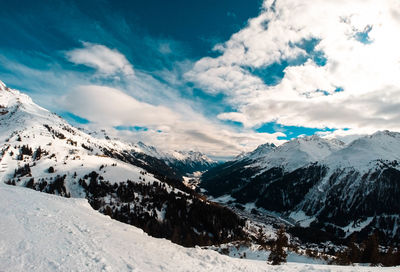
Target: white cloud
<point>368,73</point>
<point>179,128</point>
<point>210,139</point>
<point>112,107</point>
<point>105,60</point>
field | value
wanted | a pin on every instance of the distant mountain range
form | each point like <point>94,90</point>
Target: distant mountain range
<point>320,184</point>
<point>184,162</point>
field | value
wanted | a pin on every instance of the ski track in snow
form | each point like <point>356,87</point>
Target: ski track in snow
<point>42,232</point>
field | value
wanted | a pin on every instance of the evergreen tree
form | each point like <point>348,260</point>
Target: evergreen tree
<point>261,239</point>
<point>396,257</point>
<point>371,250</point>
<point>342,257</point>
<point>350,255</point>
<point>38,153</point>
<point>388,259</point>
<point>278,253</point>
<point>354,251</point>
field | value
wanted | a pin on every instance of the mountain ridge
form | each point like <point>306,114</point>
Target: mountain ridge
<point>185,162</point>
<point>337,189</point>
<point>41,151</point>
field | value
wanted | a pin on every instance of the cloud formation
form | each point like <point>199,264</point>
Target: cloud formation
<point>141,101</point>
<point>315,64</point>
<point>105,60</point>
<point>355,86</point>
<point>167,129</point>
<point>112,107</point>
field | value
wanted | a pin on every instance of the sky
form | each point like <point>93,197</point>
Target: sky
<point>219,77</point>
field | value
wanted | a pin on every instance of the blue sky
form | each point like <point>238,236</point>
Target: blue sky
<point>216,76</point>
<point>138,29</point>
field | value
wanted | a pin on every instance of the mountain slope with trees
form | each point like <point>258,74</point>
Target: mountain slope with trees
<point>41,151</point>
<point>321,184</point>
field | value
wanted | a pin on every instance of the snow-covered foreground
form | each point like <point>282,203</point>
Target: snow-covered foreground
<point>42,232</point>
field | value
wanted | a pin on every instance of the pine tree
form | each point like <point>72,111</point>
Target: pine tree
<point>342,257</point>
<point>389,257</point>
<point>176,237</point>
<point>350,255</point>
<point>371,250</point>
<point>261,239</point>
<point>38,153</point>
<point>278,253</point>
<point>354,251</point>
<point>396,255</point>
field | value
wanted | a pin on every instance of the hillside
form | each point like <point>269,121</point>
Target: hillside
<point>41,232</point>
<point>266,162</point>
<point>41,151</point>
<point>321,185</point>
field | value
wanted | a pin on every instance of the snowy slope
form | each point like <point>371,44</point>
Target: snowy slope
<point>364,151</point>
<point>41,232</point>
<point>183,162</point>
<point>63,147</point>
<point>260,152</point>
<point>41,151</point>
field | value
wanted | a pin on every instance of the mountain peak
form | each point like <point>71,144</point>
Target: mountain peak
<point>365,151</point>
<point>10,97</point>
<point>317,138</point>
<point>385,133</point>
<point>313,137</point>
<point>260,151</point>
<point>294,153</point>
<point>191,156</point>
<point>186,162</point>
<point>2,86</point>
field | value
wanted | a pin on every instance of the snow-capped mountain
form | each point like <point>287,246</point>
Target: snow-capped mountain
<point>40,150</point>
<point>184,162</point>
<point>296,153</point>
<point>322,184</point>
<point>266,162</point>
<point>188,162</point>
<point>382,145</point>
<point>260,152</point>
<point>359,188</point>
<point>25,124</point>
